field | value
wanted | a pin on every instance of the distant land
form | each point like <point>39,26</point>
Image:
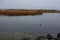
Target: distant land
<point>20,12</point>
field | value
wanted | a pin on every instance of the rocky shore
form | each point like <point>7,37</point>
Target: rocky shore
<point>19,12</point>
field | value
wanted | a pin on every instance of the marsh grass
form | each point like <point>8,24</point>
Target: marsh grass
<point>13,36</point>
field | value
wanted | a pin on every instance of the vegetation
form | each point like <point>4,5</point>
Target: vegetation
<point>13,35</point>
<point>25,36</point>
<point>19,12</point>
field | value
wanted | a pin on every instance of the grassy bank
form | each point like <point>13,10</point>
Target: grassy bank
<point>20,36</point>
<point>19,12</point>
<point>13,35</point>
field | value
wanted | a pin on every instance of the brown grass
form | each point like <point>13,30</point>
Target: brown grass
<point>16,12</point>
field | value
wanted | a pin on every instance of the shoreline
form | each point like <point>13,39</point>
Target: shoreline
<point>23,12</point>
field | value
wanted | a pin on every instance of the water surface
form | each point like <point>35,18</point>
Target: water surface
<point>50,23</point>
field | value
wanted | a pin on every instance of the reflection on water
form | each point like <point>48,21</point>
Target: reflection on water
<point>36,25</point>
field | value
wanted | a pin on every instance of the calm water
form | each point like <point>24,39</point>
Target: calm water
<point>31,24</point>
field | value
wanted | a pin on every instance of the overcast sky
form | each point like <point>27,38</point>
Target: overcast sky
<point>30,4</point>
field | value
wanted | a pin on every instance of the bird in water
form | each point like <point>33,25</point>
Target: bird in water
<point>40,24</point>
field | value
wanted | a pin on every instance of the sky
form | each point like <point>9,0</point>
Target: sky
<point>30,4</point>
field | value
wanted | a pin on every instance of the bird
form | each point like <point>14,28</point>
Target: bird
<point>40,24</point>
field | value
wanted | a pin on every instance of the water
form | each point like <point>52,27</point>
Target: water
<point>50,23</point>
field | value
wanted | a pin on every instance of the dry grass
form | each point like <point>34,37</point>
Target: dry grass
<point>16,12</point>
